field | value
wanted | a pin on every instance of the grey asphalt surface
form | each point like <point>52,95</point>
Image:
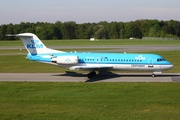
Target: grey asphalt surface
<point>78,77</point>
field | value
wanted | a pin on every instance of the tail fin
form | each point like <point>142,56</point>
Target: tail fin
<point>34,45</point>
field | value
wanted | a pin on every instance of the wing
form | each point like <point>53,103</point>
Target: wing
<point>98,68</point>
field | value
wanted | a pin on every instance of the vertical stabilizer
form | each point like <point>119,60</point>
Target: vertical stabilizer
<point>34,45</point>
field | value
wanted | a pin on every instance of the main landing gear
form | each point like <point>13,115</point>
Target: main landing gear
<point>91,74</point>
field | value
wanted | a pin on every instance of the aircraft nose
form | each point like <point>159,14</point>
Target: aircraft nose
<point>170,66</point>
<point>166,67</point>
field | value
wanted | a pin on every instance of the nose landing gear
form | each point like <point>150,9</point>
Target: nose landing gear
<point>153,75</point>
<point>156,72</point>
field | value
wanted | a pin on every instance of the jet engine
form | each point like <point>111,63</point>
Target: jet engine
<point>65,59</point>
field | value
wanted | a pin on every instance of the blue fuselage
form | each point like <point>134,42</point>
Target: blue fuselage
<point>120,61</point>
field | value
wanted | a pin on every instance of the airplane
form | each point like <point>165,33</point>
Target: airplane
<point>92,62</point>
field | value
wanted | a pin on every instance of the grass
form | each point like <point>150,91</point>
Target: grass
<point>19,64</point>
<point>87,101</point>
<point>100,42</point>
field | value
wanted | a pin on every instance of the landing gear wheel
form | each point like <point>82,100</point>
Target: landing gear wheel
<point>153,75</point>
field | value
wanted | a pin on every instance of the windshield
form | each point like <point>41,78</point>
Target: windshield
<point>161,59</point>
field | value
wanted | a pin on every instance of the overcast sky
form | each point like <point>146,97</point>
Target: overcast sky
<point>83,11</point>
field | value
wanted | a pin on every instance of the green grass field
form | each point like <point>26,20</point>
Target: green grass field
<point>85,101</point>
<point>89,101</point>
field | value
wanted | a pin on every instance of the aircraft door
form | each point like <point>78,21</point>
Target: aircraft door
<point>150,62</point>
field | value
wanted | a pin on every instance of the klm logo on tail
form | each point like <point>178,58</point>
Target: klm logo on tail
<point>34,44</point>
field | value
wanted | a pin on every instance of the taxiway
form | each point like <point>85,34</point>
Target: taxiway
<point>78,77</point>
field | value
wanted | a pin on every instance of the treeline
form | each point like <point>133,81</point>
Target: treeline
<point>101,30</point>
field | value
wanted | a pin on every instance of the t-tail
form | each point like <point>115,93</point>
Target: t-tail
<point>34,45</point>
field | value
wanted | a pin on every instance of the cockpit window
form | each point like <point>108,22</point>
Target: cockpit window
<point>161,59</point>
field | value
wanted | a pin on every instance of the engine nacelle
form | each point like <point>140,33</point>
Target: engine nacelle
<point>65,59</point>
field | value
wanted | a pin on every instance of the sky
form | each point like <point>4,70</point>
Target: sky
<point>84,11</point>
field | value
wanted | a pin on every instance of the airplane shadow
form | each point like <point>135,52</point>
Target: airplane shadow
<point>98,77</point>
<point>110,75</point>
<point>103,76</point>
<point>72,74</point>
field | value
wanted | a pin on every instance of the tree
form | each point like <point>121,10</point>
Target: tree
<point>3,32</point>
<point>68,30</point>
<point>80,32</point>
<point>144,28</point>
<point>132,30</point>
<point>113,30</point>
<point>101,30</point>
<point>173,27</point>
<point>57,30</point>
